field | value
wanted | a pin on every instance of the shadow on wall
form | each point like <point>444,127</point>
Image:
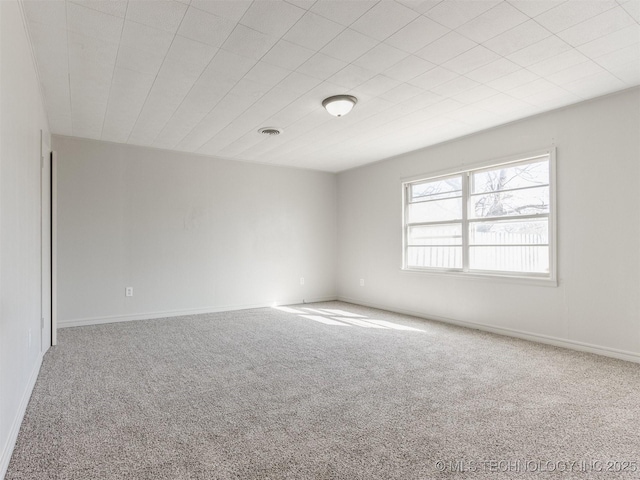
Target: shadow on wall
<point>343,318</point>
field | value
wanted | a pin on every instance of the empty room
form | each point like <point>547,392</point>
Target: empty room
<point>319,239</point>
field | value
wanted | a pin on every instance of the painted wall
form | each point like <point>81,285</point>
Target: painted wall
<point>188,233</point>
<point>21,119</point>
<point>597,301</point>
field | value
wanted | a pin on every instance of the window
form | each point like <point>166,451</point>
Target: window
<point>494,220</point>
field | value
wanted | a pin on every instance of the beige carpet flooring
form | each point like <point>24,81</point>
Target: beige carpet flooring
<point>323,391</point>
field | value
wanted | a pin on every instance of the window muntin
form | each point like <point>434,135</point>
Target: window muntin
<point>509,232</point>
<point>494,220</point>
<point>436,211</point>
<point>435,235</point>
<point>435,246</point>
<point>437,200</point>
<point>510,203</point>
<point>435,189</point>
<point>531,174</point>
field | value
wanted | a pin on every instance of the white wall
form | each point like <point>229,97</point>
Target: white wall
<point>188,233</point>
<point>596,305</point>
<point>22,117</point>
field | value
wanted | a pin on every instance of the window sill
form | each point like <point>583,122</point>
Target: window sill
<point>516,279</point>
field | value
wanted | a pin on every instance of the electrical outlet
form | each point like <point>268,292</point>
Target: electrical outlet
<point>301,280</point>
<point>129,292</point>
<point>362,282</point>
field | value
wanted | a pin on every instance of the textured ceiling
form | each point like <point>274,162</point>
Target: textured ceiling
<point>203,75</point>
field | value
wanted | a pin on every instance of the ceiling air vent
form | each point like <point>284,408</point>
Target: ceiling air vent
<point>270,131</point>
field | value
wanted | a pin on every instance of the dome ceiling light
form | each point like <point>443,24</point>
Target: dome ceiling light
<point>339,105</point>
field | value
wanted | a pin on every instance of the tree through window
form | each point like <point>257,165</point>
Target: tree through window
<point>492,220</point>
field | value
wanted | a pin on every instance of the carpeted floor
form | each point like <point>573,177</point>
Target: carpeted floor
<point>267,393</point>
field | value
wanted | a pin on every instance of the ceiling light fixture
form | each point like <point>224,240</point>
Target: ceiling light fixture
<point>339,105</point>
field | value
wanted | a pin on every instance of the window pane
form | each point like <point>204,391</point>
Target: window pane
<point>509,232</point>
<point>510,259</point>
<point>443,188</point>
<point>529,201</point>
<point>508,177</point>
<point>505,228</point>
<point>435,235</point>
<point>434,257</point>
<point>436,211</point>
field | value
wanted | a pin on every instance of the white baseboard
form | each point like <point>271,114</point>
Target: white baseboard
<point>510,332</point>
<point>180,313</point>
<point>7,450</point>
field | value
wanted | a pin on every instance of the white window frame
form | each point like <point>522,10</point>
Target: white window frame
<point>545,279</point>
